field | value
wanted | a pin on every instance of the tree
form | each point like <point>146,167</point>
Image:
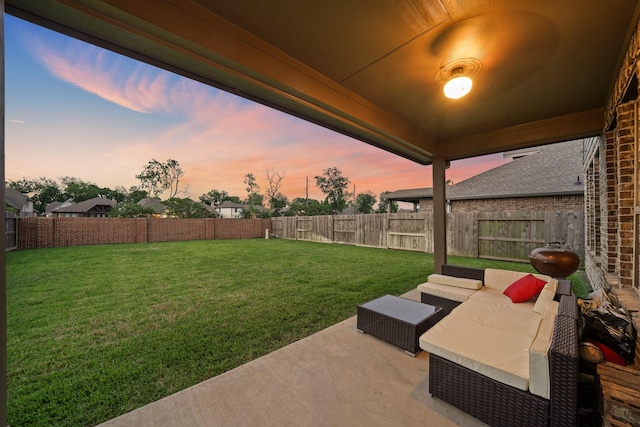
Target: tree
<point>134,194</point>
<point>186,208</point>
<point>334,186</point>
<point>214,197</point>
<point>278,203</point>
<point>234,199</point>
<point>252,188</point>
<point>78,190</point>
<point>364,202</point>
<point>157,177</point>
<point>274,180</point>
<point>308,207</point>
<point>131,210</point>
<point>386,205</point>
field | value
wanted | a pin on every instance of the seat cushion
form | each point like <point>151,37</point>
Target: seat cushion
<point>499,354</point>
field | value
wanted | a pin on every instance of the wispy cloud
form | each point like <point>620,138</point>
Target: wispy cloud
<point>20,122</point>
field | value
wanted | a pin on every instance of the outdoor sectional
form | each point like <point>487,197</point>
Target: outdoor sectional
<point>505,363</point>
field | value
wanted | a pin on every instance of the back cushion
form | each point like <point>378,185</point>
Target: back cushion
<point>459,282</point>
<point>501,279</point>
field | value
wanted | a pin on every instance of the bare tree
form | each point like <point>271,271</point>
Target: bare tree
<point>274,180</point>
<point>157,177</point>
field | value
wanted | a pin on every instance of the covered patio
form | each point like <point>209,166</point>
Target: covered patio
<point>542,72</point>
<point>336,377</point>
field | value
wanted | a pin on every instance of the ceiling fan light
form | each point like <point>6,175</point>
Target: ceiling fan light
<point>457,87</point>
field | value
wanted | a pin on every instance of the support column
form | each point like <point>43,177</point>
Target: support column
<point>439,214</point>
<point>3,244</point>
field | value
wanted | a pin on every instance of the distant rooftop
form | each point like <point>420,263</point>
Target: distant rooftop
<point>550,170</point>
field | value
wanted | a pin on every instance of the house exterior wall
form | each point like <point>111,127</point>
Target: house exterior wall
<point>547,203</point>
<point>230,212</point>
<point>612,187</point>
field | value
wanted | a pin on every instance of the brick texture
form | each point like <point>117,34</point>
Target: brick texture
<point>34,233</point>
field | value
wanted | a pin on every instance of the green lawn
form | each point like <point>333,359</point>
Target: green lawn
<point>97,331</point>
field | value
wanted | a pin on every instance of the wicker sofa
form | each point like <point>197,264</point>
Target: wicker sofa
<point>501,362</point>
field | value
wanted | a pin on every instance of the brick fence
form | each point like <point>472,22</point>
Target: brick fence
<point>34,233</point>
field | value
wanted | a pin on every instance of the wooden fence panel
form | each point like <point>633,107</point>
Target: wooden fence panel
<point>511,236</point>
<point>371,230</point>
<point>462,234</point>
<point>344,229</point>
<point>407,232</point>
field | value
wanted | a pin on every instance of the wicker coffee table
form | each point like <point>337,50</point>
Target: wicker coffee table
<point>398,321</point>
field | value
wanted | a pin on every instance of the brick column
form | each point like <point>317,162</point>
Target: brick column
<point>625,187</point>
<point>608,213</point>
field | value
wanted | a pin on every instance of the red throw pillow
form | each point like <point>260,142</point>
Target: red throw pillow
<point>524,288</point>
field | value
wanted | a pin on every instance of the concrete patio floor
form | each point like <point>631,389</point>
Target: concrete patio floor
<point>336,377</point>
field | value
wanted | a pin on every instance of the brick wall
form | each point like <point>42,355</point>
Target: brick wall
<point>625,163</point>
<point>34,233</point>
<point>549,203</point>
<point>611,184</point>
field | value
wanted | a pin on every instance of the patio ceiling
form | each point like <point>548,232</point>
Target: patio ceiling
<point>368,68</point>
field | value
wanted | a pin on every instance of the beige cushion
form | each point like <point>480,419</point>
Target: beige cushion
<point>441,279</point>
<point>496,353</point>
<point>495,312</point>
<point>547,294</point>
<point>539,383</point>
<point>445,291</point>
<point>501,279</point>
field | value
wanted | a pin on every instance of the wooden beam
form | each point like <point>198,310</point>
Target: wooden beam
<point>557,129</point>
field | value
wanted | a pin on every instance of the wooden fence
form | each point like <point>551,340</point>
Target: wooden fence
<point>509,236</point>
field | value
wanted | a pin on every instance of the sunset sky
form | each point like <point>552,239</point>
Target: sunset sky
<point>73,109</point>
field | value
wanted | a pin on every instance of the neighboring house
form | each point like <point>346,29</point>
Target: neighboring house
<point>95,208</point>
<point>229,209</point>
<point>22,204</point>
<point>544,178</point>
<point>155,204</point>
<point>236,210</point>
<point>51,207</point>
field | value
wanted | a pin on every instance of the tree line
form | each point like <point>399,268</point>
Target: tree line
<point>158,178</point>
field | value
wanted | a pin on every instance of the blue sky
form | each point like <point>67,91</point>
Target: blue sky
<point>73,109</point>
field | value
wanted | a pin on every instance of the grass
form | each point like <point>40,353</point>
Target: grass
<point>97,331</point>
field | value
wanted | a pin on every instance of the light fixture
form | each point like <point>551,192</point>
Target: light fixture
<point>459,85</point>
<point>456,76</point>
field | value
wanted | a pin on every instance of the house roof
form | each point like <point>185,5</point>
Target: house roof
<point>550,170</point>
<point>155,204</point>
<point>229,204</point>
<point>409,195</point>
<point>54,206</point>
<point>14,198</point>
<point>553,170</point>
<point>87,205</point>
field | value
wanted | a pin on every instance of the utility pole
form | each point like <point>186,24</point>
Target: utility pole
<point>306,198</point>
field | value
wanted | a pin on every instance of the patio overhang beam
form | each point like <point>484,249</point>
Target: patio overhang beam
<point>557,129</point>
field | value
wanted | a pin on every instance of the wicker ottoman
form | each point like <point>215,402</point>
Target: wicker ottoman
<point>398,321</point>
